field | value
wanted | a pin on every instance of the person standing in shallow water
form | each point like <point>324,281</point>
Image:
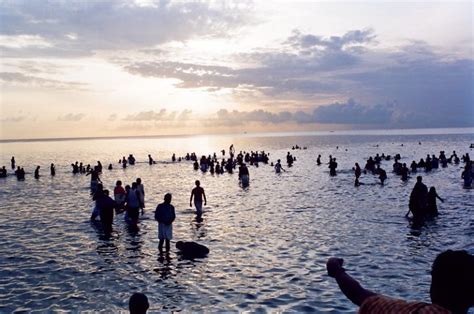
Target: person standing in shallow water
<point>37,172</point>
<point>431,207</point>
<point>141,194</point>
<point>165,215</point>
<point>198,194</point>
<point>418,201</point>
<point>53,170</point>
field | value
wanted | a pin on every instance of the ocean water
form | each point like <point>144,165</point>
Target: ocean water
<point>268,243</point>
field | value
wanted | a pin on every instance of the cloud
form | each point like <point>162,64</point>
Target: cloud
<point>162,115</point>
<point>428,88</point>
<point>302,69</point>
<point>113,117</point>
<point>18,118</point>
<point>75,28</point>
<point>312,43</point>
<point>72,117</point>
<point>349,112</point>
<point>30,80</point>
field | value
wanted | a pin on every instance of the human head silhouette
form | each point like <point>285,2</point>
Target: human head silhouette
<point>168,198</point>
<point>138,303</point>
<point>197,183</point>
<point>452,281</point>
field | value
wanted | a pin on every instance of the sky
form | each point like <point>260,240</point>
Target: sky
<point>127,68</point>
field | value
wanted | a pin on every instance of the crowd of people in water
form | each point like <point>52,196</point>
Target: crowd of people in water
<point>129,200</point>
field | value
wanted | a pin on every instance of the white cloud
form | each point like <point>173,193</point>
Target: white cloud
<point>24,41</point>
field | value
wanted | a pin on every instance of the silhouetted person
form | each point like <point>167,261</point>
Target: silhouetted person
<point>451,291</point>
<point>382,175</point>
<point>133,204</point>
<point>20,175</point>
<point>244,175</point>
<point>404,172</point>
<point>98,193</point>
<point>110,167</point>
<point>12,161</point>
<point>278,166</point>
<point>418,201</point>
<point>37,175</point>
<point>318,161</point>
<point>192,249</point>
<point>131,159</point>
<point>3,172</point>
<point>150,160</point>
<point>95,179</point>
<point>141,194</point>
<point>106,207</point>
<point>332,167</point>
<point>138,303</point>
<point>52,168</point>
<point>173,158</point>
<point>431,207</point>
<point>165,215</point>
<point>357,171</point>
<point>198,194</point>
<point>289,159</point>
<point>466,175</point>
<point>119,195</point>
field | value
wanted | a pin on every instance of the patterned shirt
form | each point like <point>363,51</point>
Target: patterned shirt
<point>383,304</point>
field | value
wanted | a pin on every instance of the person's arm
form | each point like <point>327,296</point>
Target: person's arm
<point>173,214</point>
<point>157,213</point>
<point>440,198</point>
<point>204,194</point>
<point>348,285</point>
<point>191,198</point>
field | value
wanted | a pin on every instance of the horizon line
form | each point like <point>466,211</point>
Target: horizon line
<point>325,132</point>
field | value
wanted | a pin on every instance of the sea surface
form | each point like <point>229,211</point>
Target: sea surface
<point>268,243</point>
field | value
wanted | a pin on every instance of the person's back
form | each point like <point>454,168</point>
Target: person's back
<point>278,167</point>
<point>165,213</point>
<point>192,249</point>
<point>198,192</point>
<point>132,198</point>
